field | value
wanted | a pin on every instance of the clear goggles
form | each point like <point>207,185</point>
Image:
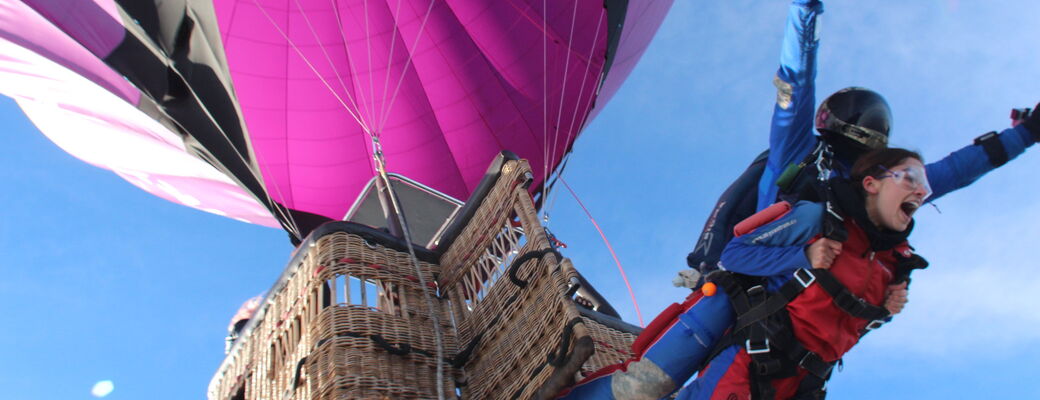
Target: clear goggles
<point>911,178</point>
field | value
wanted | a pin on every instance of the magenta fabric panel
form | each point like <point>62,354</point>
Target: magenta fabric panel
<point>444,88</point>
<point>91,123</point>
<point>643,20</point>
<point>95,24</point>
<point>47,35</point>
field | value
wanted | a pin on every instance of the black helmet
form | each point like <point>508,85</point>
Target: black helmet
<point>858,114</point>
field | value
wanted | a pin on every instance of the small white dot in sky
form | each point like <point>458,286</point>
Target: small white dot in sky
<point>102,388</point>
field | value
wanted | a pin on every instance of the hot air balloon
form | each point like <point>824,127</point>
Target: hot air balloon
<point>300,112</point>
<point>280,113</point>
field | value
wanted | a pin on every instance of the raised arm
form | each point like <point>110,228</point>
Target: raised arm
<point>964,166</point>
<point>790,134</point>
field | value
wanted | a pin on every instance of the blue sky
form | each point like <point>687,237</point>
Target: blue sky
<point>104,281</point>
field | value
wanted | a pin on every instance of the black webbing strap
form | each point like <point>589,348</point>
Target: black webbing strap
<point>993,147</point>
<point>789,346</point>
<point>463,356</point>
<point>515,265</point>
<point>811,388</point>
<point>840,295</point>
<point>801,280</point>
<point>299,370</point>
<point>402,349</point>
<point>726,281</point>
<point>556,358</point>
<point>846,301</point>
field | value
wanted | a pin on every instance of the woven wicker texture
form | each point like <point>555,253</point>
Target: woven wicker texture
<point>338,329</point>
<point>351,322</point>
<point>507,295</point>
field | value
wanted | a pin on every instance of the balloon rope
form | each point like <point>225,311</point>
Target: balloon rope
<point>312,68</point>
<point>350,63</point>
<point>371,79</point>
<point>287,220</point>
<point>357,116</point>
<point>328,58</point>
<point>574,116</point>
<point>584,78</point>
<point>389,59</point>
<point>381,169</point>
<point>545,115</point>
<point>434,315</point>
<point>408,63</point>
<point>563,97</point>
<point>350,57</point>
<point>609,247</point>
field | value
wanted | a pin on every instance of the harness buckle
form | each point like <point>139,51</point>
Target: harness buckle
<point>757,347</point>
<point>872,325</point>
<point>804,277</point>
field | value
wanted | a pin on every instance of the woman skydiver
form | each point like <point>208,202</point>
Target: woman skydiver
<point>876,210</point>
<point>851,122</point>
<point>817,295</point>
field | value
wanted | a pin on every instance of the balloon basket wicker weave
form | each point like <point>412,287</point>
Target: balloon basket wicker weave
<point>348,318</point>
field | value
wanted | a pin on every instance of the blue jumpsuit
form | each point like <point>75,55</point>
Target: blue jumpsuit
<point>791,136</point>
<point>675,353</point>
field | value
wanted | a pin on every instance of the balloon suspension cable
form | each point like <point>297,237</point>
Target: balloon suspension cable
<point>609,247</point>
<point>395,214</point>
<point>548,204</point>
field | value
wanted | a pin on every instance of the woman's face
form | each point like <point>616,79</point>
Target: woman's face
<point>893,198</point>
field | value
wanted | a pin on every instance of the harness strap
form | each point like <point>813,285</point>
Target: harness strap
<point>840,295</point>
<point>802,279</point>
<point>846,301</point>
<point>993,147</point>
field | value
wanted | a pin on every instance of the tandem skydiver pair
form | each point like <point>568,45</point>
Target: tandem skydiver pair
<point>798,287</point>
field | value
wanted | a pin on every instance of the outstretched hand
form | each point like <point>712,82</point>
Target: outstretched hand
<point>896,298</point>
<point>821,253</point>
<point>1033,121</point>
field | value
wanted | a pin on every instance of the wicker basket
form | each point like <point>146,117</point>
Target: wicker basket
<point>348,318</point>
<point>508,294</point>
<point>347,321</point>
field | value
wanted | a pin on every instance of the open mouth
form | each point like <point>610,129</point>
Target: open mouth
<point>909,207</point>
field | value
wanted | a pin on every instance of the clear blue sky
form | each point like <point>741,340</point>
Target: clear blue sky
<point>104,281</point>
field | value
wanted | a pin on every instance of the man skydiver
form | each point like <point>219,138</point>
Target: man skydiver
<point>850,121</point>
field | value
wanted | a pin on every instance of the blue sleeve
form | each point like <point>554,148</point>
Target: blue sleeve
<point>790,136</point>
<point>964,166</point>
<point>776,248</point>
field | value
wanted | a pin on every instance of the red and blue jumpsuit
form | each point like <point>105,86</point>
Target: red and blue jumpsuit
<point>776,250</point>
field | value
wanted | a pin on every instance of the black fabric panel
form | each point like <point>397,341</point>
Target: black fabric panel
<point>734,205</point>
<point>477,197</point>
<point>589,293</point>
<point>371,235</point>
<point>180,30</point>
<point>610,321</point>
<point>617,10</point>
<point>178,63</point>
